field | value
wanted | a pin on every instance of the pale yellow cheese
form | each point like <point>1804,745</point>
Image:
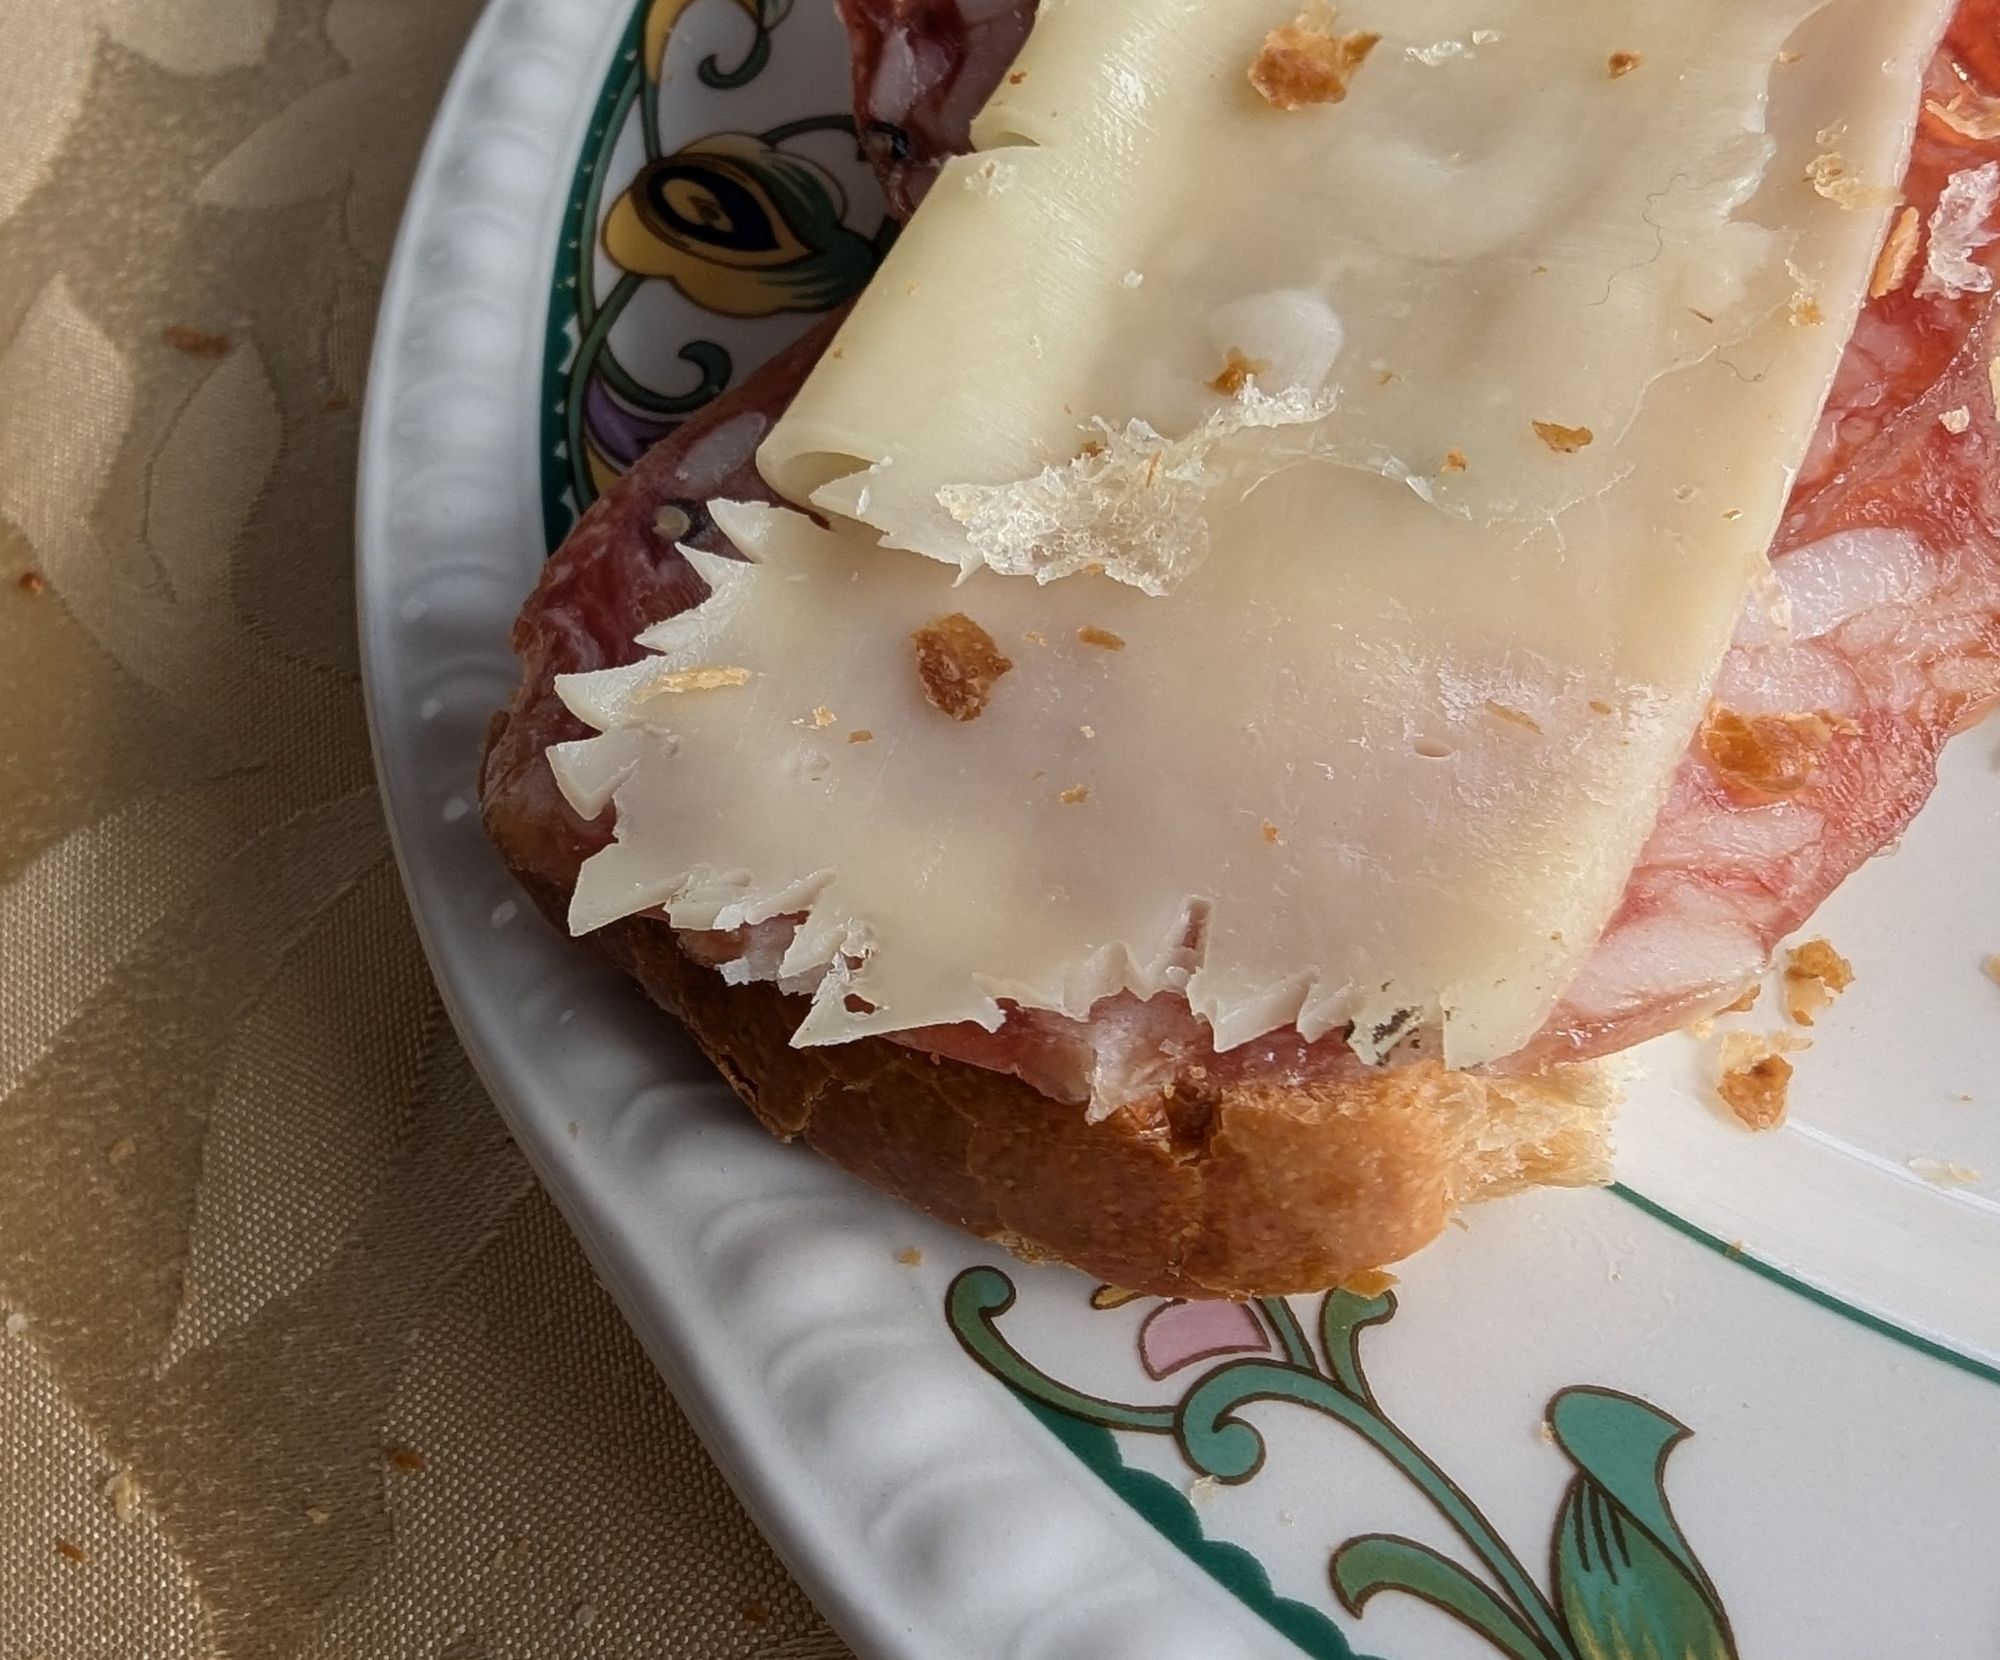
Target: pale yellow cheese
<point>1404,675</point>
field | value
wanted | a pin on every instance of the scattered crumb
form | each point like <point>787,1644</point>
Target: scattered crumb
<point>1828,174</point>
<point>70,1551</point>
<point>910,1257</point>
<point>1088,731</point>
<point>822,716</point>
<point>1548,1431</point>
<point>1035,637</point>
<point>1815,974</point>
<point>1599,707</point>
<point>1286,1518</point>
<point>407,1460</point>
<point>32,583</point>
<point>1113,1296</point>
<point>1747,1002</point>
<point>1787,59</point>
<point>1703,1029</point>
<point>1982,126</point>
<point>1132,279</point>
<point>1944,1173</point>
<point>671,523</point>
<point>1512,716</point>
<point>1304,62</point>
<point>123,1493</point>
<point>958,664</point>
<point>16,1323</point>
<point>1201,1490</point>
<point>1734,513</point>
<point>1991,967</point>
<point>318,1515</point>
<point>1102,638</point>
<point>1735,1248</point>
<point>861,735</point>
<point>121,1150</point>
<point>713,678</point>
<point>990,177</point>
<point>1955,421</point>
<point>195,342</point>
<point>1368,1282</point>
<point>515,1550</point>
<point>1074,794</point>
<point>1563,440</point>
<point>1237,372</point>
<point>1270,832</point>
<point>1623,63</point>
<point>1454,462</point>
<point>1765,755</point>
<point>1386,377</point>
<point>1017,77</point>
<point>755,1613</point>
<point>1899,254</point>
<point>1755,1077</point>
<point>583,1616</point>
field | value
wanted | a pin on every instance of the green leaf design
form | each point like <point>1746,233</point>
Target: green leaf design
<point>1343,1317</point>
<point>1382,1562</point>
<point>1627,1581</point>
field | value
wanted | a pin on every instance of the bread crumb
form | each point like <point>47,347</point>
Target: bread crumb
<point>16,1323</point>
<point>755,1613</point>
<point>583,1616</point>
<point>1899,254</point>
<point>1287,1518</point>
<point>711,678</point>
<point>822,716</point>
<point>910,1257</point>
<point>958,664</point>
<point>1548,1431</point>
<point>70,1551</point>
<point>1955,421</point>
<point>1237,372</point>
<point>1765,756</point>
<point>1017,77</point>
<point>407,1460</point>
<point>32,583</point>
<point>195,342</point>
<point>1815,974</point>
<point>1201,1490</point>
<point>1512,716</point>
<point>1734,1248</point>
<point>1755,1077</point>
<point>1944,1173</point>
<point>1113,1296</point>
<point>1368,1282</point>
<point>1787,59</point>
<point>318,1515</point>
<point>1132,279</point>
<point>123,1493</point>
<point>1102,638</point>
<point>1088,731</point>
<point>1074,794</point>
<point>1454,462</point>
<point>671,523</point>
<point>1304,62</point>
<point>1827,173</point>
<point>1563,440</point>
<point>1271,833</point>
<point>1623,63</point>
<point>121,1150</point>
<point>1745,1003</point>
<point>1982,126</point>
<point>861,735</point>
<point>1992,968</point>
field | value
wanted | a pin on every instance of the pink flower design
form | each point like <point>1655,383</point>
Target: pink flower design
<point>1178,1333</point>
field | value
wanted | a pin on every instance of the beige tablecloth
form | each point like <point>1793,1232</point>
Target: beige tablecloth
<point>296,1359</point>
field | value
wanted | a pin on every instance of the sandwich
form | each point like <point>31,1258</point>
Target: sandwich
<point>1349,565</point>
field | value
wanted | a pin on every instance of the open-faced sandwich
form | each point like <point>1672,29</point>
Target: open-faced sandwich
<point>1349,564</point>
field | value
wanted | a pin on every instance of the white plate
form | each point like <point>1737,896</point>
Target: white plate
<point>1795,1337</point>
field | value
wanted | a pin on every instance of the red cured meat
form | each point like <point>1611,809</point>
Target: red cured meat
<point>1888,559</point>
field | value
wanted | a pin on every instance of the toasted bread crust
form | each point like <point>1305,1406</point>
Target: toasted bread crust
<point>1251,1189</point>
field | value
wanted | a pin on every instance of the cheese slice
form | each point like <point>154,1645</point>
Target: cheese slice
<point>1410,629</point>
<point>1467,245</point>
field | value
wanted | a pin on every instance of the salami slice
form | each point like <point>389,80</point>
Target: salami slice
<point>1877,637</point>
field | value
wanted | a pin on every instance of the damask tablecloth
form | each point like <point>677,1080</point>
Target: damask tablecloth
<point>296,1359</point>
